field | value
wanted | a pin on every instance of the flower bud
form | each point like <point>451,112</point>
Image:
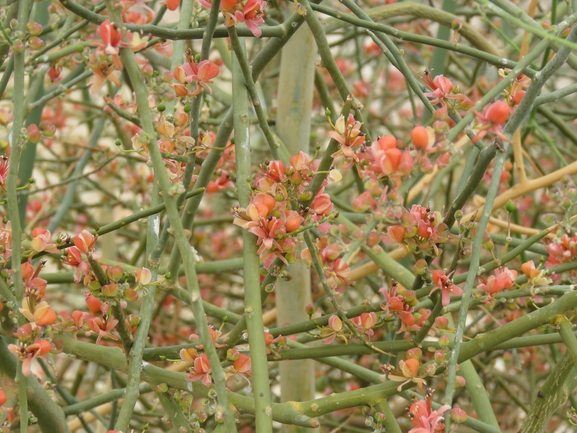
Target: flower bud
<point>510,206</point>
<point>110,290</point>
<point>439,356</point>
<point>458,415</point>
<point>460,381</point>
<point>133,320</point>
<point>444,341</point>
<point>114,272</point>
<point>33,133</point>
<point>18,46</point>
<point>442,322</point>
<point>415,352</point>
<point>131,295</point>
<point>47,128</point>
<point>35,42</point>
<point>420,266</point>
<point>456,24</point>
<point>420,137</point>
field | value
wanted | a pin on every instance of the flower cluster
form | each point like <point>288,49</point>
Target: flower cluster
<point>105,61</point>
<point>562,250</point>
<point>421,231</point>
<point>200,73</point>
<point>424,418</point>
<point>32,342</point>
<point>270,215</point>
<point>445,93</point>
<point>250,12</point>
<point>400,305</point>
<point>201,369</point>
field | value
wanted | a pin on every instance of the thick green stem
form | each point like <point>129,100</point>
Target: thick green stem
<point>552,394</point>
<point>294,107</point>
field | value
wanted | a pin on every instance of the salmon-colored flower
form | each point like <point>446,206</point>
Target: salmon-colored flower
<point>103,327</point>
<point>445,285</point>
<point>348,134</point>
<point>28,353</point>
<point>425,419</point>
<point>200,370</point>
<point>252,14</point>
<point>172,5</point>
<point>536,276</point>
<point>85,241</point>
<point>243,364</point>
<point>443,91</point>
<point>201,73</point>
<point>503,279</point>
<point>41,241</point>
<point>322,204</point>
<point>408,372</point>
<point>40,314</point>
<point>492,119</point>
<point>188,354</point>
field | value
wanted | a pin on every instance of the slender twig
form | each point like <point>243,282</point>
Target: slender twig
<point>252,294</point>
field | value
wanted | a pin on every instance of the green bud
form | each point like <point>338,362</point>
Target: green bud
<point>161,108</point>
<point>510,206</point>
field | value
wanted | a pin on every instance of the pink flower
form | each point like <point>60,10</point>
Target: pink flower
<point>41,241</point>
<point>27,353</point>
<point>503,279</point>
<point>562,250</point>
<point>349,136</point>
<point>442,88</point>
<point>252,15</point>
<point>202,73</point>
<point>335,328</point>
<point>110,37</point>
<point>322,204</point>
<point>142,276</point>
<point>103,327</point>
<point>243,364</point>
<point>445,285</point>
<point>267,233</point>
<point>85,241</point>
<point>425,419</point>
<point>492,119</point>
<point>200,370</point>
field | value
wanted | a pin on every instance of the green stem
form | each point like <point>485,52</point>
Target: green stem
<point>552,394</point>
<point>140,338</point>
<point>252,293</point>
<point>249,82</point>
<point>566,331</point>
<point>22,398</point>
